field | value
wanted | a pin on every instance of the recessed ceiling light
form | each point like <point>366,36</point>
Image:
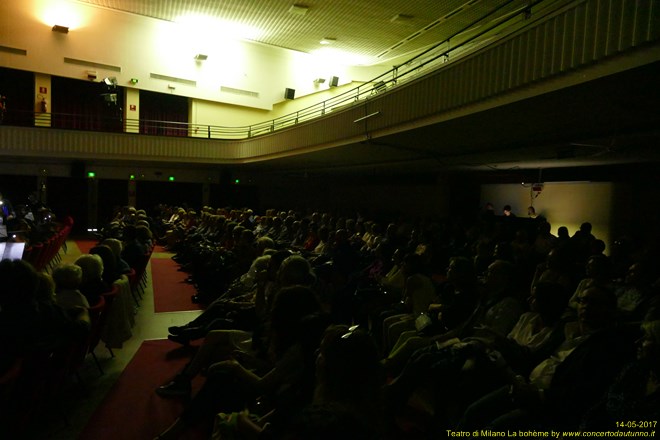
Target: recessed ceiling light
<point>298,9</point>
<point>401,18</point>
<point>328,40</point>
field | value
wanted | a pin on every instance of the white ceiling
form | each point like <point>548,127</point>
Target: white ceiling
<point>381,31</point>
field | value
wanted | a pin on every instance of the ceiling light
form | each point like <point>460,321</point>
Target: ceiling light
<point>110,81</point>
<point>298,9</point>
<point>319,80</point>
<point>201,57</point>
<point>61,29</point>
<point>328,40</point>
<point>401,17</point>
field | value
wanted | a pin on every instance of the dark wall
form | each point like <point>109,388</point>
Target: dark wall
<point>150,194</point>
<point>68,196</point>
<point>18,88</point>
<point>112,194</point>
<point>17,188</point>
<point>237,196</point>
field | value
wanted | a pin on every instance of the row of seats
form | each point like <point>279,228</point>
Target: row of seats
<point>46,254</point>
<point>34,381</point>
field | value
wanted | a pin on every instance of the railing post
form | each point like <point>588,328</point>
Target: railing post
<point>209,131</point>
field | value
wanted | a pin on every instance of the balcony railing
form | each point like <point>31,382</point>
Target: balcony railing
<point>510,15</point>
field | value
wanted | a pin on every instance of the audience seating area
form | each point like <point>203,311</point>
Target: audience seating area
<point>453,311</point>
<point>43,363</point>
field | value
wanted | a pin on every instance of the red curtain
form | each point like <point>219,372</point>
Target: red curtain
<point>162,114</point>
<point>85,105</point>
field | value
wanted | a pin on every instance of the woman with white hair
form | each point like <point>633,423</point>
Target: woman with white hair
<point>92,285</point>
<point>67,279</point>
<point>116,247</point>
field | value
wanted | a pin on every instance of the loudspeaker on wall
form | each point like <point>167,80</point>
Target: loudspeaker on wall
<point>289,93</point>
<point>334,81</point>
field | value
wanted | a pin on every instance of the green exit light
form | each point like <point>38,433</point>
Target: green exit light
<point>91,174</point>
<point>237,181</point>
<point>132,177</point>
<point>171,178</point>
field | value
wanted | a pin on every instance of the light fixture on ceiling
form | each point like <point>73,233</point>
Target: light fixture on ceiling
<point>61,29</point>
<point>201,57</point>
<point>327,40</point>
<point>319,80</point>
<point>401,18</point>
<point>298,9</point>
<point>110,81</point>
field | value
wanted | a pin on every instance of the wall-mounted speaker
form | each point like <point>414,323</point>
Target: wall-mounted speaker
<point>334,81</point>
<point>289,93</point>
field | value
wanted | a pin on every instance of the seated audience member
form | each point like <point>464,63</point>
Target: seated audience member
<point>237,380</point>
<point>59,327</point>
<point>143,235</point>
<point>116,246</point>
<point>581,242</point>
<point>92,284</point>
<point>18,311</point>
<point>560,389</point>
<point>467,368</point>
<point>379,289</point>
<point>457,297</point>
<point>294,271</point>
<point>545,241</point>
<point>498,309</point>
<point>635,394</point>
<point>68,278</point>
<point>637,296</point>
<point>597,271</point>
<point>346,403</point>
<point>32,327</point>
<point>234,309</point>
<point>418,293</point>
<point>557,268</point>
<point>133,250</point>
<point>110,272</point>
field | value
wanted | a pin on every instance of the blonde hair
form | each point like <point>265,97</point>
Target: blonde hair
<point>91,265</point>
<point>45,288</point>
<point>67,276</point>
<point>114,244</point>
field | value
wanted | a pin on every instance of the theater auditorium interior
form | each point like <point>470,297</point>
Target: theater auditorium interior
<point>401,109</point>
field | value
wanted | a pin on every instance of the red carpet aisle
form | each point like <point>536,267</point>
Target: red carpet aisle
<point>132,410</point>
<point>171,292</point>
<point>85,245</point>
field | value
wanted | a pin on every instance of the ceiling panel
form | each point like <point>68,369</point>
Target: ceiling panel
<point>389,28</point>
